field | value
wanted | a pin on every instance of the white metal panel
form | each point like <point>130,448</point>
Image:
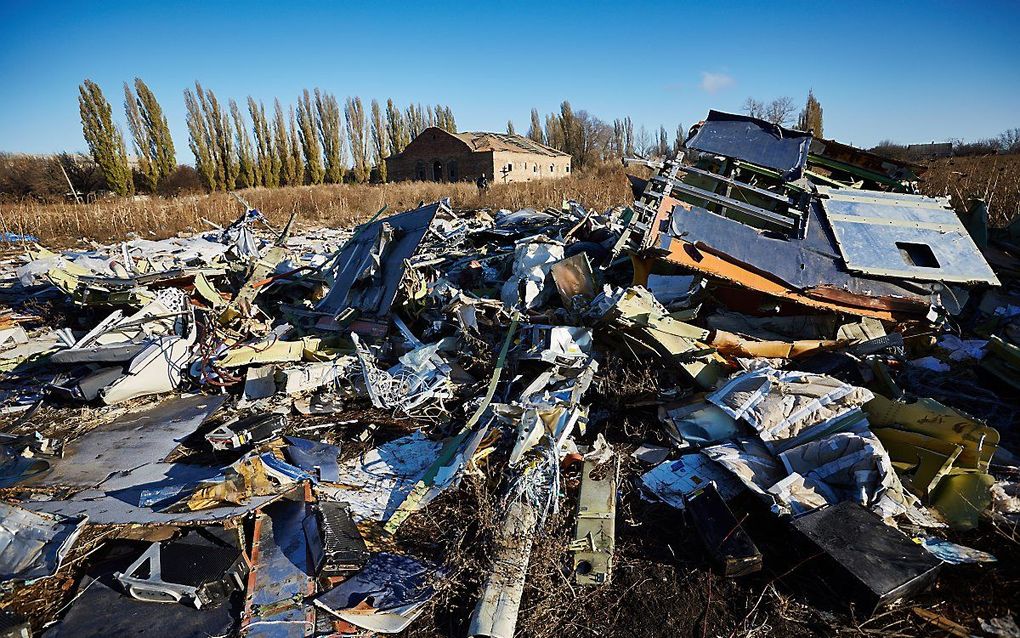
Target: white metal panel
<point>908,236</point>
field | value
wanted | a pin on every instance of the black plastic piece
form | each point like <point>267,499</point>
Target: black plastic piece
<point>343,547</point>
<point>726,541</point>
<point>867,561</point>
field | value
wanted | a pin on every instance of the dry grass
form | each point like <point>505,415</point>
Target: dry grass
<point>342,204</point>
<point>994,178</point>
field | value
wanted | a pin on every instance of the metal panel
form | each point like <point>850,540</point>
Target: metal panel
<point>368,269</point>
<point>133,440</point>
<point>281,575</point>
<point>908,236</point>
<point>753,140</point>
<point>136,497</point>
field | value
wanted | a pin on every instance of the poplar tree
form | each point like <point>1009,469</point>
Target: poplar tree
<point>163,154</point>
<point>451,121</point>
<point>327,119</point>
<point>553,131</point>
<point>681,137</point>
<point>628,136</point>
<point>296,152</point>
<point>200,139</point>
<point>104,139</point>
<point>397,128</point>
<point>380,141</point>
<point>247,168</point>
<point>571,132</point>
<point>212,127</point>
<point>618,137</point>
<point>283,158</point>
<point>510,127</point>
<point>810,119</point>
<point>220,139</point>
<point>444,119</point>
<point>142,143</point>
<point>357,134</point>
<point>535,131</point>
<point>309,139</point>
<point>415,121</point>
<point>225,153</point>
<point>267,160</point>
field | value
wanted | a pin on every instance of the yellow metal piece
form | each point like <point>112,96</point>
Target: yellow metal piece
<point>924,458</point>
<point>960,498</point>
<point>929,417</point>
<point>595,536</point>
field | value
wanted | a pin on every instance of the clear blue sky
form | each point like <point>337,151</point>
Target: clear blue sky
<point>911,72</point>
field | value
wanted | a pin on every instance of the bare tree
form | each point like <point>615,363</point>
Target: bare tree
<point>678,142</point>
<point>754,108</point>
<point>779,111</point>
<point>1009,140</point>
<point>643,142</point>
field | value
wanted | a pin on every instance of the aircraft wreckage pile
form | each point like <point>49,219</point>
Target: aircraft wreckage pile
<point>834,354</point>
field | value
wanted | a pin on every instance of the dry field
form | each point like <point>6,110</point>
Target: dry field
<point>994,178</point>
<point>340,205</point>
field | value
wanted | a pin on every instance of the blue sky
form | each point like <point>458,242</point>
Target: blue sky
<point>911,72</point>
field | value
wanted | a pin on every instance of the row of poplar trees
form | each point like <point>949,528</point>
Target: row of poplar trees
<point>317,142</point>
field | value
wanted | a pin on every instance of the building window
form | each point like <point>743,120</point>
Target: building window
<point>452,170</point>
<point>568,168</point>
<point>509,166</point>
<point>552,168</point>
<point>534,169</point>
<point>437,171</point>
<point>419,171</point>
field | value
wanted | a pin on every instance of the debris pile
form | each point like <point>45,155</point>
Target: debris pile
<point>237,432</point>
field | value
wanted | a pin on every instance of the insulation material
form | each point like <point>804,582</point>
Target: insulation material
<point>533,260</point>
<point>789,408</point>
<point>853,467</point>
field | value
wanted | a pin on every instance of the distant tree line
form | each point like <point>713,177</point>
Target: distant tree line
<point>780,111</point>
<point>589,140</point>
<point>318,141</point>
<point>1006,143</point>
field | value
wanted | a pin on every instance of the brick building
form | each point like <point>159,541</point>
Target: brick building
<point>439,156</point>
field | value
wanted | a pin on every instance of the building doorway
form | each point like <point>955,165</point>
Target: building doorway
<point>437,171</point>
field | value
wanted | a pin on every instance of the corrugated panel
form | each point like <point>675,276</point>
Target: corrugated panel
<point>908,236</point>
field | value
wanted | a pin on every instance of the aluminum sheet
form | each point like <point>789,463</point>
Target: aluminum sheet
<point>906,236</point>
